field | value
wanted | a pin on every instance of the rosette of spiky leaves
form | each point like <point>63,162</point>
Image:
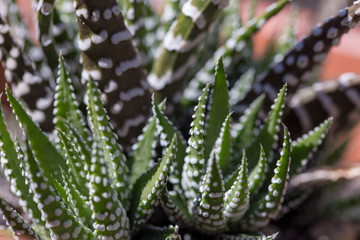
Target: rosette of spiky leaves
<point>297,64</point>
<point>218,205</point>
<point>102,32</point>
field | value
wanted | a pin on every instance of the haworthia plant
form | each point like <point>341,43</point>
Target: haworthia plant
<point>228,181</point>
<point>56,182</point>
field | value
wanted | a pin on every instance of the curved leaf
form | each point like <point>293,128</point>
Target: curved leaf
<point>148,188</point>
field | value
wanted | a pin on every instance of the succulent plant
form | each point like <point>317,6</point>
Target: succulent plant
<point>98,178</point>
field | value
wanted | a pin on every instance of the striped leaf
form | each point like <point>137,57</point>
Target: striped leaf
<point>45,36</point>
<point>184,36</point>
<point>296,66</point>
<point>310,106</point>
<point>234,50</point>
<point>194,165</point>
<point>27,83</point>
<point>102,32</point>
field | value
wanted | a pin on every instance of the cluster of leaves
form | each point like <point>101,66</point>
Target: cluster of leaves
<point>106,208</point>
<point>231,177</point>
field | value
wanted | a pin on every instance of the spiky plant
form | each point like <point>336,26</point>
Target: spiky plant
<point>228,182</point>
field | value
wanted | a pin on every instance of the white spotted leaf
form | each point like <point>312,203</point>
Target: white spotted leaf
<point>194,165</point>
<point>18,226</point>
<point>109,213</point>
<point>59,218</point>
<point>143,150</point>
<point>66,105</point>
<point>50,160</point>
<point>304,147</point>
<point>112,150</point>
<point>268,206</point>
<point>209,205</point>
<point>237,197</point>
<point>268,134</point>
<point>148,187</point>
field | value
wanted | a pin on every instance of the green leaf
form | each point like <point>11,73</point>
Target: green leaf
<point>77,166</point>
<point>237,198</point>
<point>304,147</point>
<point>268,134</point>
<point>176,209</point>
<point>144,149</point>
<point>244,132</point>
<point>44,26</point>
<point>66,105</point>
<point>247,237</point>
<point>73,198</point>
<point>195,161</point>
<point>258,174</point>
<point>60,220</point>
<point>148,187</point>
<point>18,226</point>
<point>103,130</point>
<point>167,130</point>
<point>218,108</point>
<point>45,152</point>
<point>269,205</point>
<point>108,211</point>
<point>149,232</point>
<point>242,86</point>
<point>209,206</point>
<point>223,146</point>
